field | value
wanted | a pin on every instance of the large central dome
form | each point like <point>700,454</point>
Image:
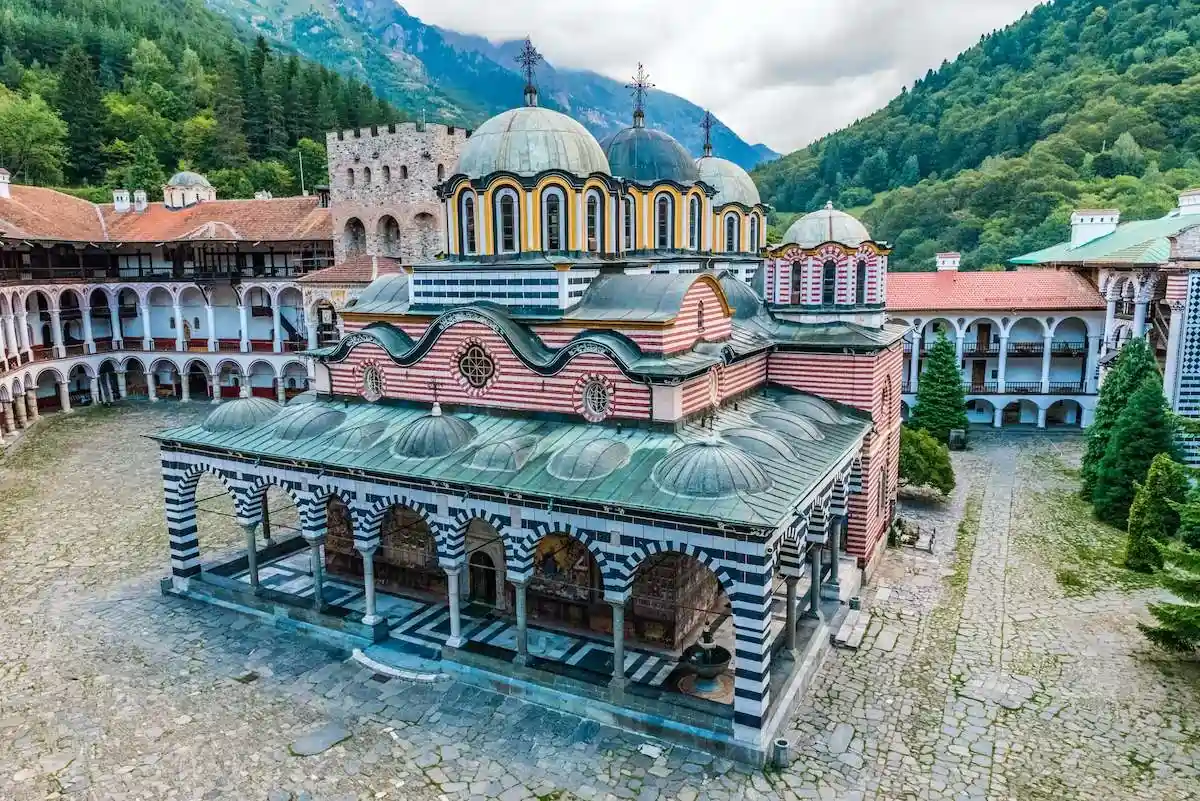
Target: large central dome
<point>528,141</point>
<point>646,155</point>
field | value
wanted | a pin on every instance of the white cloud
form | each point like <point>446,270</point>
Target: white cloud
<point>782,72</point>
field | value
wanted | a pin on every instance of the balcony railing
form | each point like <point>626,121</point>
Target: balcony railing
<point>75,350</point>
<point>976,348</point>
<point>1069,348</point>
<point>981,387</point>
<point>1067,388</point>
<point>1026,348</point>
<point>1023,387</point>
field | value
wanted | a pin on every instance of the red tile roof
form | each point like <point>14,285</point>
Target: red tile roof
<point>950,290</point>
<point>353,270</point>
<point>37,213</point>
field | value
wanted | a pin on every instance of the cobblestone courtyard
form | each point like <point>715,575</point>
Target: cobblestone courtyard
<point>1004,665</point>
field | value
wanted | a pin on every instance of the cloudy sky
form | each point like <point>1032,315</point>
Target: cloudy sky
<point>782,72</point>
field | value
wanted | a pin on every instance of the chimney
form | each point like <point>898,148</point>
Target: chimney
<point>5,192</point>
<point>948,262</point>
<point>1088,225</point>
<point>139,200</point>
<point>374,267</point>
<point>121,200</point>
<point>1189,201</point>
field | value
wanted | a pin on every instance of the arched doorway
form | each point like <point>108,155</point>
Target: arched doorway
<point>354,236</point>
<point>388,236</point>
<point>109,387</point>
<point>482,579</point>
<point>1020,413</point>
<point>980,412</point>
<point>674,599</point>
<point>135,379</point>
<point>217,529</point>
<point>197,378</point>
<point>1064,414</point>
<point>48,399</point>
<point>79,386</point>
<point>567,585</point>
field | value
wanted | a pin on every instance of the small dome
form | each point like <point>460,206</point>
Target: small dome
<point>308,396</point>
<point>358,438</point>
<point>759,442</point>
<point>827,225</point>
<point>788,424</point>
<point>744,301</point>
<point>308,421</point>
<point>530,140</point>
<point>816,408</point>
<point>733,184</point>
<point>241,414</point>
<point>710,470</point>
<point>508,456</point>
<point>584,461</point>
<point>391,288</point>
<point>188,178</point>
<point>647,155</point>
<point>434,434</point>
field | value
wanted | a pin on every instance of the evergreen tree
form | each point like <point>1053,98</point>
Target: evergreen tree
<point>911,173</point>
<point>1153,517</point>
<point>1178,626</point>
<point>1133,363</point>
<point>1143,430</point>
<point>83,113</point>
<point>941,406</point>
<point>1189,519</point>
<point>229,112</point>
<point>11,71</point>
<point>145,172</point>
<point>925,462</point>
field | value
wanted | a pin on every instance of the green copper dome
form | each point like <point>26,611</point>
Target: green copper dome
<point>241,414</point>
<point>585,461</point>
<point>528,141</point>
<point>760,442</point>
<point>357,438</point>
<point>646,155</point>
<point>508,456</point>
<point>307,421</point>
<point>189,178</point>
<point>788,424</point>
<point>434,434</point>
<point>816,408</point>
<point>710,469</point>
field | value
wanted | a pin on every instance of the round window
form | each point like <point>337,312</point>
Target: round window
<point>476,366</point>
<point>372,383</point>
<point>597,399</point>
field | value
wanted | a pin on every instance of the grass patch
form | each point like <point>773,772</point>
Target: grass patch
<point>1050,463</point>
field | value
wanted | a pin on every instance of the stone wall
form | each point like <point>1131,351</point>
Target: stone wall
<point>386,179</point>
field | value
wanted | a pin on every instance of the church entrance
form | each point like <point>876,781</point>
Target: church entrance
<point>483,579</point>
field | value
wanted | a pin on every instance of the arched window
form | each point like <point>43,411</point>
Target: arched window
<point>468,224</point>
<point>700,316</point>
<point>860,283</point>
<point>350,177</point>
<point>553,219</point>
<point>387,174</point>
<point>829,283</point>
<point>753,233</point>
<point>630,222</point>
<point>441,173</point>
<point>733,234</point>
<point>403,172</point>
<point>366,175</point>
<point>354,236</point>
<point>595,223</point>
<point>507,221</point>
<point>663,222</point>
<point>694,223</point>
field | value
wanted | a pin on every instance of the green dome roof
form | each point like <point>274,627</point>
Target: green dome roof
<point>189,178</point>
<point>818,409</point>
<point>788,424</point>
<point>508,456</point>
<point>307,421</point>
<point>585,461</point>
<point>710,470</point>
<point>759,442</point>
<point>647,155</point>
<point>530,140</point>
<point>308,396</point>
<point>241,414</point>
<point>733,184</point>
<point>434,434</point>
<point>357,438</point>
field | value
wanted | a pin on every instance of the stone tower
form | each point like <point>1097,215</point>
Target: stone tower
<point>381,189</point>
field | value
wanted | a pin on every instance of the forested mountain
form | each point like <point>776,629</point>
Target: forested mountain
<point>455,77</point>
<point>106,93</point>
<point>1079,104</point>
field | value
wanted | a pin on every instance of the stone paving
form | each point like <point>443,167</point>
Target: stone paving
<point>980,678</point>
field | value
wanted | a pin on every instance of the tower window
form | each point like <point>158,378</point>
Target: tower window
<point>700,316</point>
<point>630,211</point>
<point>829,283</point>
<point>469,224</point>
<point>753,233</point>
<point>694,224</point>
<point>593,223</point>
<point>350,177</point>
<point>403,172</point>
<point>663,212</point>
<point>553,220</point>
<point>366,175</point>
<point>441,172</point>
<point>860,283</point>
<point>508,224</point>
<point>732,234</point>
<point>387,174</point>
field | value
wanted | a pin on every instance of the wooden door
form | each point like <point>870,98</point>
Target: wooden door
<point>978,373</point>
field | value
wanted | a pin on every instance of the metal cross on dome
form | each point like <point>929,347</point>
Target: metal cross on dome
<point>528,58</point>
<point>640,86</point>
<point>707,124</point>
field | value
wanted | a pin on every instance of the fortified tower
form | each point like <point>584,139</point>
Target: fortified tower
<point>382,189</point>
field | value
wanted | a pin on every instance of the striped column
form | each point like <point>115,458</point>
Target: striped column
<point>179,502</point>
<point>751,604</point>
<point>314,525</point>
<point>367,528</point>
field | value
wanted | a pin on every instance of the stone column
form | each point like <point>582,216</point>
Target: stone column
<point>95,390</point>
<point>23,332</point>
<point>56,332</point>
<point>521,588</point>
<point>276,327</point>
<point>214,381</point>
<point>1041,423</point>
<point>210,321</point>
<point>144,316</point>
<point>64,395</point>
<point>1139,317</point>
<point>959,343</point>
<point>5,350</point>
<point>252,555</point>
<point>31,403</point>
<point>18,407</point>
<point>244,314</point>
<point>370,618</point>
<point>115,322</point>
<point>833,587</point>
<point>1174,335</point>
<point>10,332</point>
<point>318,570</point>
<point>280,391</point>
<point>311,322</point>
<point>9,423</point>
<point>151,386</point>
<point>185,391</point>
<point>914,367</point>
<point>89,342</point>
<point>618,625</point>
<point>790,615</point>
<point>122,387</point>
<point>1003,368</point>
<point>452,575</point>
<point>998,417</point>
<point>180,344</point>
<point>814,586</point>
<point>1048,350</point>
<point>1110,319</point>
<point>1091,369</point>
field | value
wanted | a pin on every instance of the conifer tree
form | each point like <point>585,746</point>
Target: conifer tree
<point>83,113</point>
<point>1143,430</point>
<point>1133,363</point>
<point>1153,517</point>
<point>1178,626</point>
<point>941,406</point>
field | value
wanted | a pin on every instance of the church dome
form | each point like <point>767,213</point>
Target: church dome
<point>434,434</point>
<point>307,421</point>
<point>788,424</point>
<point>588,460</point>
<point>760,442</point>
<point>710,469</point>
<point>306,397</point>
<point>646,155</point>
<point>733,184</point>
<point>827,225</point>
<point>530,140</point>
<point>240,415</point>
<point>189,178</point>
<point>508,456</point>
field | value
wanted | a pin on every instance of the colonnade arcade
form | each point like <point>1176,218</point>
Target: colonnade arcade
<point>567,569</point>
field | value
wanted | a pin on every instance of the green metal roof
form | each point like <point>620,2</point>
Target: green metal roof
<point>576,461</point>
<point>1139,242</point>
<point>634,298</point>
